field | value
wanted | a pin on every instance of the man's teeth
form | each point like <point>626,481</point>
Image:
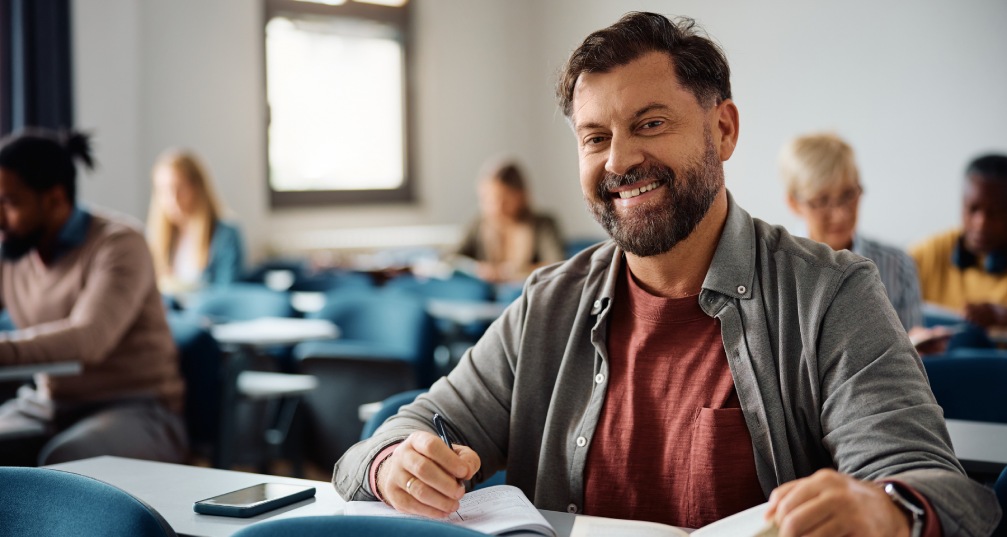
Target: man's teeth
<point>637,191</point>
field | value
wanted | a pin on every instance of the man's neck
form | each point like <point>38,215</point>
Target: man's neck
<point>57,220</point>
<point>680,271</point>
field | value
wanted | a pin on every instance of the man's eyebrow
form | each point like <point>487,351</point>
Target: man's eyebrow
<point>637,115</point>
<point>650,108</point>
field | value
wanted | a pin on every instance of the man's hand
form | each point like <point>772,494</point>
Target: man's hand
<point>829,503</point>
<point>986,314</point>
<point>423,476</point>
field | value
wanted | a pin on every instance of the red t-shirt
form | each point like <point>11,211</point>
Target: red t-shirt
<point>671,445</point>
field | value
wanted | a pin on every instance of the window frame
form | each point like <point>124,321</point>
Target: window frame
<point>398,16</point>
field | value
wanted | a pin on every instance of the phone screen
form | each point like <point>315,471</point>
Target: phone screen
<point>255,494</point>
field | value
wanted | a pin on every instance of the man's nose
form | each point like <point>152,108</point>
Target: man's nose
<point>624,154</point>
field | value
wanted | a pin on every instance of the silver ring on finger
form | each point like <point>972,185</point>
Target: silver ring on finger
<point>410,484</point>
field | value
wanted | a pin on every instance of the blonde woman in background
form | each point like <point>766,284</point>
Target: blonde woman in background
<point>508,240</point>
<point>823,189</point>
<point>192,246</point>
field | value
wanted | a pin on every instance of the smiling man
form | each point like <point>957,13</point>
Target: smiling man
<point>696,364</point>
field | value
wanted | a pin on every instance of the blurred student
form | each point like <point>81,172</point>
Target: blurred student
<point>79,286</point>
<point>823,189</point>
<point>191,244</point>
<point>965,269</point>
<point>508,240</point>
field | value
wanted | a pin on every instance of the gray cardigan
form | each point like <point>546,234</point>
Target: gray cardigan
<point>824,371</point>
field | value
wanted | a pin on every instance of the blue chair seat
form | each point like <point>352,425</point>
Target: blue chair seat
<point>47,502</point>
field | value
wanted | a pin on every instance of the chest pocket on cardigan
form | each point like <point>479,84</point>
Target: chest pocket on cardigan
<point>722,478</point>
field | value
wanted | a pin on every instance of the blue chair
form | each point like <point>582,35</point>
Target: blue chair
<point>239,302</point>
<point>969,387</point>
<point>452,338</point>
<point>332,281</point>
<point>391,405</point>
<point>47,502</point>
<point>355,526</point>
<point>1000,488</point>
<point>280,392</point>
<point>385,346</point>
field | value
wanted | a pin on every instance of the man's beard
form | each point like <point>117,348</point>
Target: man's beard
<point>656,229</point>
<point>13,248</point>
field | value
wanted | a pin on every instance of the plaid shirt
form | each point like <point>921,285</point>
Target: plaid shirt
<point>898,273</point>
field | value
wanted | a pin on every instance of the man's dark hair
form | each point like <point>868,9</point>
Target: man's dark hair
<point>700,64</point>
<point>44,159</point>
<point>991,166</point>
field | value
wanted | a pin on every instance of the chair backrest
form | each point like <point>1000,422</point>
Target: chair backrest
<point>240,302</point>
<point>43,501</point>
<point>330,281</point>
<point>969,387</point>
<point>384,319</point>
<point>389,407</point>
<point>457,287</point>
<point>355,526</point>
<point>201,363</point>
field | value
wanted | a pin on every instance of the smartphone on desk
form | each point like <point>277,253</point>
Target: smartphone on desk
<point>254,500</point>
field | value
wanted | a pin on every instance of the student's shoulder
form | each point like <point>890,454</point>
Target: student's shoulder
<point>780,247</point>
<point>590,264</point>
<point>109,223</point>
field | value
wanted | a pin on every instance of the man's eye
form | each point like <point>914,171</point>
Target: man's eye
<point>594,140</point>
<point>652,124</point>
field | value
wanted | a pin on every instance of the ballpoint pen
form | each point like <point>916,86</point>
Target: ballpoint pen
<point>441,429</point>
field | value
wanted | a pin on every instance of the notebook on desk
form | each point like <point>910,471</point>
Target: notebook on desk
<point>505,510</point>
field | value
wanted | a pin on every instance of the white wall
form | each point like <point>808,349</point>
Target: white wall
<point>914,86</point>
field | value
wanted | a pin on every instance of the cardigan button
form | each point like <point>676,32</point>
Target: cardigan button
<point>599,378</point>
<point>581,441</point>
<point>742,289</point>
<point>572,508</point>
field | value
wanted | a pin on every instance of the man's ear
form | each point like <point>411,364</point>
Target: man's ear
<point>727,127</point>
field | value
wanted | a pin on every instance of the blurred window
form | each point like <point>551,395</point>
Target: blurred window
<point>336,79</point>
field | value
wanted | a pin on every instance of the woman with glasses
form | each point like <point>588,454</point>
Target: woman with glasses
<point>823,189</point>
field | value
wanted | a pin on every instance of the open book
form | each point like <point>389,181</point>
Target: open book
<point>505,510</point>
<point>748,523</point>
<point>497,510</point>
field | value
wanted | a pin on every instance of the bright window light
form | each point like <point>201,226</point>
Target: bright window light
<point>335,88</point>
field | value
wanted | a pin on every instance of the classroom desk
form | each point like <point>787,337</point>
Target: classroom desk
<point>172,488</point>
<point>24,372</point>
<point>245,339</point>
<point>980,446</point>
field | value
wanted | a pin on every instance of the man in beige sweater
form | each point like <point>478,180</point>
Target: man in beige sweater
<point>80,286</point>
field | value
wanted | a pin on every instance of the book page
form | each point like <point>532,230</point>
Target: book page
<point>492,510</point>
<point>592,526</point>
<point>748,523</point>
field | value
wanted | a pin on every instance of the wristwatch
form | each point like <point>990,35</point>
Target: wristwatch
<point>915,512</point>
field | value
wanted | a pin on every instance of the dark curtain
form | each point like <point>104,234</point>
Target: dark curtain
<point>35,70</point>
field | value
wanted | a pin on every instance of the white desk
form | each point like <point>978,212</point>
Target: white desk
<point>171,489</point>
<point>979,442</point>
<point>19,372</point>
<point>270,331</point>
<point>247,337</point>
